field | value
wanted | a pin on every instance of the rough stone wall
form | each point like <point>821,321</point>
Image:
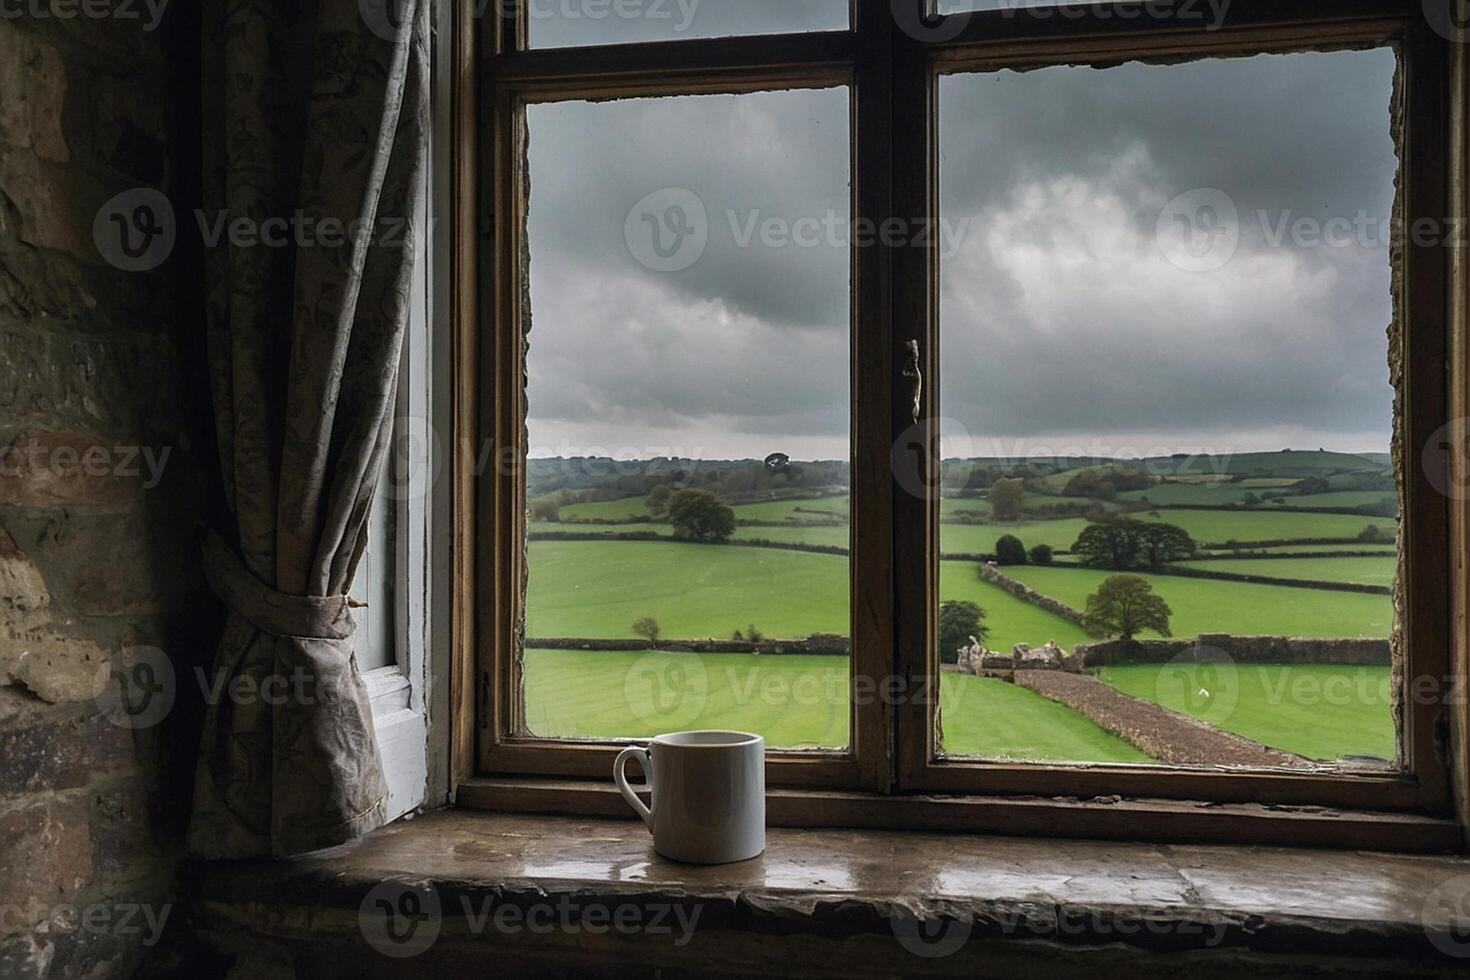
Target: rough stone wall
<point>98,494</point>
<point>1209,647</point>
<point>993,575</point>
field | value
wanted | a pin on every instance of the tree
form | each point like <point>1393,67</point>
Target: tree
<point>648,628</point>
<point>658,500</point>
<point>546,509</point>
<point>1007,499</point>
<point>1125,605</point>
<point>1372,533</point>
<point>1041,554</point>
<point>1124,543</point>
<point>1163,543</point>
<point>1010,551</point>
<point>958,621</point>
<point>1110,543</point>
<point>699,515</point>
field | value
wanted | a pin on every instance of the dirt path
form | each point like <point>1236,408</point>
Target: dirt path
<point>1168,736</point>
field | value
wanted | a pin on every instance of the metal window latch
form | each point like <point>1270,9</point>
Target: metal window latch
<point>916,378</point>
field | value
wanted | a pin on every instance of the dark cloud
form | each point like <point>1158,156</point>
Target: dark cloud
<point>1062,317</point>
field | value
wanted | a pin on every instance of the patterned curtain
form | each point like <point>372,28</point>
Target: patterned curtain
<point>316,118</point>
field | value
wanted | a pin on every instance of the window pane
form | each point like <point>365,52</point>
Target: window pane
<point>565,23</point>
<point>688,417</point>
<point>1164,376</point>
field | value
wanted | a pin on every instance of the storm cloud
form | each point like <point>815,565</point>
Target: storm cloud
<point>1064,317</point>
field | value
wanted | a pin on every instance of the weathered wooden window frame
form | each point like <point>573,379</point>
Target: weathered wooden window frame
<point>892,774</point>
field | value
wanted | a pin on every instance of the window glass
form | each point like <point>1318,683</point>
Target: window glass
<point>688,411</point>
<point>1165,327</point>
<point>565,23</point>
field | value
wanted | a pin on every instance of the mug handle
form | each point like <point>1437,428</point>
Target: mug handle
<point>621,778</point>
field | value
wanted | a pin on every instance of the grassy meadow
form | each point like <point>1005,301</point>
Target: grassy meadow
<point>1245,609</point>
<point>1321,711</point>
<point>595,589</point>
<point>794,701</point>
<point>1358,571</point>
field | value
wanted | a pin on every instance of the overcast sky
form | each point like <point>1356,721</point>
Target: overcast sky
<point>1067,321</point>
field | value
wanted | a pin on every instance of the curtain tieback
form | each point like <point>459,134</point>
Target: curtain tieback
<point>273,613</point>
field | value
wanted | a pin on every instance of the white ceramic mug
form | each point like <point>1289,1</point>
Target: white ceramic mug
<point>708,794</point>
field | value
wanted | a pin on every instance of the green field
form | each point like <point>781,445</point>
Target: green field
<point>1009,619</point>
<point>597,589</point>
<point>1218,526</point>
<point>810,510</point>
<point>1382,549</point>
<point>979,539</point>
<point>1341,498</point>
<point>1186,494</point>
<point>1245,609</point>
<point>1278,465</point>
<point>1362,571</point>
<point>605,510</point>
<point>1321,711</point>
<point>993,718</point>
<point>794,701</point>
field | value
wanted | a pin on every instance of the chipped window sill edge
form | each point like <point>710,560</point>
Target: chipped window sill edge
<point>855,885</point>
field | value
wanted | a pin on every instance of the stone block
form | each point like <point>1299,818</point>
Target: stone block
<point>60,753</point>
<point>22,589</point>
<point>56,668</point>
<point>46,850</point>
<point>34,80</point>
<point>73,469</point>
<point>56,205</point>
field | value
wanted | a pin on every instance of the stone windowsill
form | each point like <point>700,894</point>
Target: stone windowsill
<point>851,903</point>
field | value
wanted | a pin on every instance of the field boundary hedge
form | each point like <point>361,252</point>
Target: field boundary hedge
<point>1241,508</point>
<point>1244,555</point>
<point>1296,583</point>
<point>1208,648</point>
<point>823,644</point>
<point>1279,542</point>
<point>815,549</point>
<point>993,575</point>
